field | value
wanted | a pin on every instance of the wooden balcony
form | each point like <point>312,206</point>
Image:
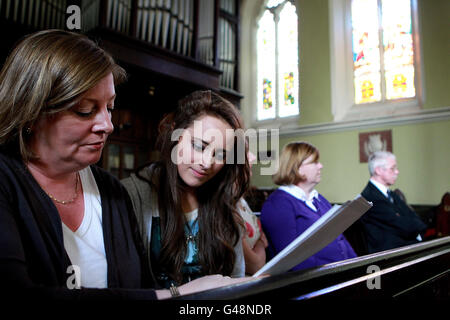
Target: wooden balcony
<point>168,47</point>
<point>195,41</point>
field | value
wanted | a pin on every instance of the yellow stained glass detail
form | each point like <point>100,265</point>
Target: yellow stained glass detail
<point>367,90</point>
<point>396,71</point>
<point>398,49</point>
<point>399,83</point>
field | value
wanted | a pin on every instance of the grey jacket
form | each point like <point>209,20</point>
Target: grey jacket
<point>145,203</point>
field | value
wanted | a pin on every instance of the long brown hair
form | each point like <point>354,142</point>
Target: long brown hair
<point>219,222</point>
<point>47,72</point>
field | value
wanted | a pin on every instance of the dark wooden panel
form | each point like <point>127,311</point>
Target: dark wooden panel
<point>158,60</point>
<point>421,270</point>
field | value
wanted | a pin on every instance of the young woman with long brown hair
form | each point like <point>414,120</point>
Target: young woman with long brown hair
<point>65,223</point>
<point>186,202</point>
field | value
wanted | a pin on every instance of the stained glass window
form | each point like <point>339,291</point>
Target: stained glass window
<point>398,49</point>
<point>288,62</point>
<point>277,55</point>
<point>383,55</point>
<point>266,67</point>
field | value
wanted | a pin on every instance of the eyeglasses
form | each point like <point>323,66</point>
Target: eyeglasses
<point>392,169</point>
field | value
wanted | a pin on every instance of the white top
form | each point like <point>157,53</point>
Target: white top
<point>300,194</point>
<point>191,216</point>
<point>85,246</point>
<point>383,189</point>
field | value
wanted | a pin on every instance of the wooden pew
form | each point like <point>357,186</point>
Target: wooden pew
<point>415,271</point>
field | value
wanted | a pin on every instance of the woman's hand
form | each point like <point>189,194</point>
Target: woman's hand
<point>263,238</point>
<point>202,284</point>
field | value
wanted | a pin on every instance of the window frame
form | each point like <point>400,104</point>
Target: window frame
<point>277,122</point>
<point>342,85</point>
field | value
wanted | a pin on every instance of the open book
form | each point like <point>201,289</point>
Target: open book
<point>317,236</point>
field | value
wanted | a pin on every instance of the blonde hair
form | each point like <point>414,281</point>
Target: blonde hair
<point>291,158</point>
<point>46,73</point>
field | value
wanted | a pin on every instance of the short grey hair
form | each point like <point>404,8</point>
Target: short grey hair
<point>378,159</point>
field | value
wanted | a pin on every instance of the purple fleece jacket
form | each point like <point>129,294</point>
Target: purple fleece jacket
<point>285,217</point>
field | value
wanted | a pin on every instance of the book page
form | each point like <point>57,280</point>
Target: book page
<point>321,233</point>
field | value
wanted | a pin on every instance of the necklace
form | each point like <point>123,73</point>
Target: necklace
<point>190,237</point>
<point>70,200</point>
<point>189,232</point>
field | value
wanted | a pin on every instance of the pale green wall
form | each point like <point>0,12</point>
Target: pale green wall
<point>422,150</point>
<point>435,29</point>
<point>314,46</point>
<point>423,156</point>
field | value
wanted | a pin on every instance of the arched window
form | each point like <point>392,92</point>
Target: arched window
<point>277,61</point>
<point>383,50</point>
<point>375,58</point>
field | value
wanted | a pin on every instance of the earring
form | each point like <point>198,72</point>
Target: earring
<point>28,131</point>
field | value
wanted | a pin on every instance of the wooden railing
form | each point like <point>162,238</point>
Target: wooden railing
<point>168,24</point>
<point>165,23</point>
<point>416,271</point>
<point>38,14</point>
<point>228,31</point>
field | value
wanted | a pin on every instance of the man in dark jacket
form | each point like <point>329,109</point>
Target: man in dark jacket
<point>390,223</point>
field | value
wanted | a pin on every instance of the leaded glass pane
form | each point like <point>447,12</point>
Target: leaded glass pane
<point>366,51</point>
<point>274,3</point>
<point>288,62</point>
<point>266,67</point>
<point>398,49</point>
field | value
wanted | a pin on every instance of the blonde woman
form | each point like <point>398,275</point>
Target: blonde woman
<point>64,223</point>
<point>296,205</point>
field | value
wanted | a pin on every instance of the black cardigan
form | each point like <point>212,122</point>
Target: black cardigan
<point>33,261</point>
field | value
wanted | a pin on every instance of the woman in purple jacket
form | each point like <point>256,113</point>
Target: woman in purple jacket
<point>296,205</point>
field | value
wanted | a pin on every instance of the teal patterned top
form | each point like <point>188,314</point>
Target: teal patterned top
<point>191,269</point>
